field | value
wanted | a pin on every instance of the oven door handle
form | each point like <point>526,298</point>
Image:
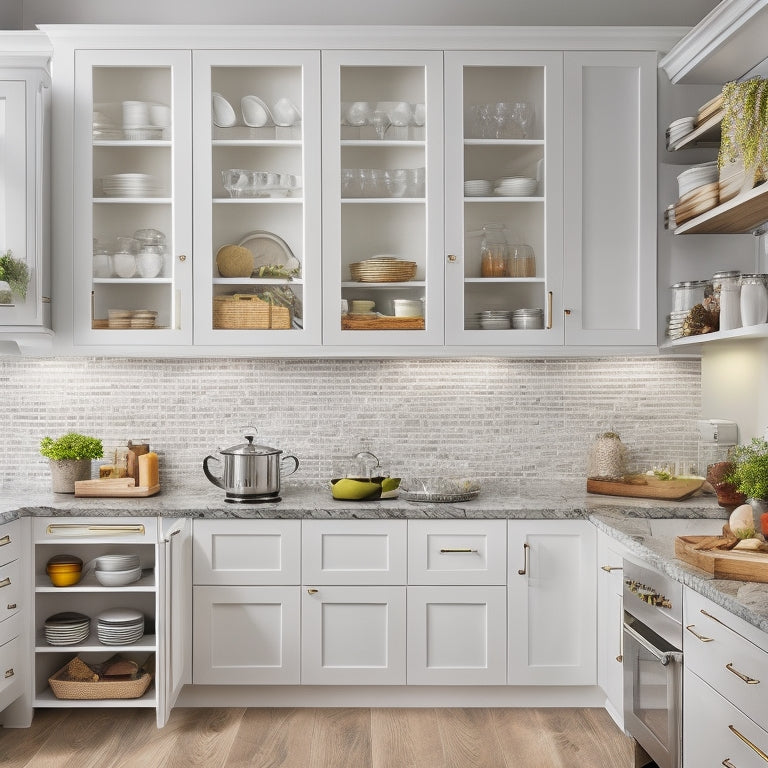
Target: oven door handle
<point>664,657</point>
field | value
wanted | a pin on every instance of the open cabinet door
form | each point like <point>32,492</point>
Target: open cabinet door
<point>175,613</point>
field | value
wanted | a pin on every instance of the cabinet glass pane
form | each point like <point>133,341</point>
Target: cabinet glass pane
<point>132,210</point>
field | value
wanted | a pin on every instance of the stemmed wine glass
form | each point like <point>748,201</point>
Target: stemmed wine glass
<point>502,113</point>
<point>522,114</point>
<point>381,122</point>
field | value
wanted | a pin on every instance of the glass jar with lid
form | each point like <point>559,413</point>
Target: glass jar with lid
<point>753,300</point>
<point>494,251</point>
<point>726,291</point>
<point>688,294</point>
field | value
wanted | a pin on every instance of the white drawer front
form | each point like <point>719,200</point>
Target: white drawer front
<point>354,552</point>
<point>95,529</point>
<point>247,552</point>
<point>10,661</point>
<point>10,541</point>
<point>457,552</point>
<point>730,663</point>
<point>10,589</point>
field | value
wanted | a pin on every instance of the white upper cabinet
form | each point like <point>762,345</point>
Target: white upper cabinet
<point>382,196</point>
<point>610,198</point>
<point>257,186</point>
<point>133,197</point>
<point>25,101</point>
<point>503,190</point>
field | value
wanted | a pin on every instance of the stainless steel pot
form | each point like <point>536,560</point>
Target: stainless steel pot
<point>251,472</point>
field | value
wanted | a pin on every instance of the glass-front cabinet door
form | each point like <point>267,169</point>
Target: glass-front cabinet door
<point>503,198</point>
<point>382,198</point>
<point>133,197</point>
<point>257,197</point>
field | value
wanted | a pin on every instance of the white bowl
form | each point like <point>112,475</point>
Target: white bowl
<point>256,113</point>
<point>117,562</point>
<point>223,112</point>
<point>118,578</point>
<point>285,113</point>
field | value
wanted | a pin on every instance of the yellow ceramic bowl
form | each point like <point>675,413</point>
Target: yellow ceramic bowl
<point>63,567</point>
<point>66,579</point>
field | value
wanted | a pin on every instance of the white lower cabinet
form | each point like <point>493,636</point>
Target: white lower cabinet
<point>246,635</point>
<point>551,610</point>
<point>610,620</point>
<point>12,635</point>
<point>353,635</point>
<point>457,635</point>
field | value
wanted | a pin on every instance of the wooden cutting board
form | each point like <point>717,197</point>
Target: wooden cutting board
<point>723,564</point>
<point>113,486</point>
<point>647,487</point>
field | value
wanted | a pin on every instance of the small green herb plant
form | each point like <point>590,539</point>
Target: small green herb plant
<point>15,272</point>
<point>750,469</point>
<point>745,125</point>
<point>71,446</point>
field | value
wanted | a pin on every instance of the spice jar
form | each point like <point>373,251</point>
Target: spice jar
<point>753,300</point>
<point>494,251</point>
<point>727,290</point>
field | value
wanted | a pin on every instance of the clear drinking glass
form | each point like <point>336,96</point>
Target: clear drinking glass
<point>522,114</point>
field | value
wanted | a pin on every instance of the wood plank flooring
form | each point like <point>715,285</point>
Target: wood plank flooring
<point>318,738</point>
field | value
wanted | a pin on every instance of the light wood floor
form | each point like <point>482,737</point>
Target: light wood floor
<point>318,738</point>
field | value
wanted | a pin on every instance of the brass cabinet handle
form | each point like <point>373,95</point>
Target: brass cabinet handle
<point>11,606</point>
<point>703,639</point>
<point>754,748</point>
<point>447,550</point>
<point>78,529</point>
<point>9,673</point>
<point>714,618</point>
<point>182,257</point>
<point>6,582</point>
<point>5,540</point>
<point>312,591</point>
<point>727,763</point>
<point>746,678</point>
<point>549,310</point>
<point>609,568</point>
<point>526,547</point>
<point>451,257</point>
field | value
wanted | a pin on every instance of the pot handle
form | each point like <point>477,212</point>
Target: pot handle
<point>295,464</point>
<point>215,480</point>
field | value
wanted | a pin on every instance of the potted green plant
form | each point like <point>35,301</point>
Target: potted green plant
<point>14,273</point>
<point>70,458</point>
<point>749,475</point>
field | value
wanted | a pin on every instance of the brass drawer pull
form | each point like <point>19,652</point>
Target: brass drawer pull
<point>6,582</point>
<point>746,678</point>
<point>9,673</point>
<point>714,618</point>
<point>312,591</point>
<point>755,749</point>
<point>703,639</point>
<point>5,540</point>
<point>609,568</point>
<point>447,550</point>
<point>77,529</point>
<point>727,763</point>
<point>11,606</point>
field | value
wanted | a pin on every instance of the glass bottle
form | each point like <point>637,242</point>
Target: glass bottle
<point>753,300</point>
<point>494,251</point>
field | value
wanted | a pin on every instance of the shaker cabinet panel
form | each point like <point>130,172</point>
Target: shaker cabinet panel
<point>610,198</point>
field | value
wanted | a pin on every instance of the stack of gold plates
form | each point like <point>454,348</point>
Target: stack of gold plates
<point>706,111</point>
<point>383,269</point>
<point>697,202</point>
<point>119,318</point>
<point>143,318</point>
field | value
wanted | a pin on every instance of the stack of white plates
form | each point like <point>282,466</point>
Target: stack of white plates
<point>516,186</point>
<point>130,185</point>
<point>120,626</point>
<point>117,562</point>
<point>675,323</point>
<point>495,319</point>
<point>477,188</point>
<point>67,628</point>
<point>697,176</point>
<point>679,128</point>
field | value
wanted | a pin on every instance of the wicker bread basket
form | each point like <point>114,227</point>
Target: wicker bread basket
<point>246,311</point>
<point>103,689</point>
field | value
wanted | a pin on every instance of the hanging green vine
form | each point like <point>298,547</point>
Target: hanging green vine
<point>745,125</point>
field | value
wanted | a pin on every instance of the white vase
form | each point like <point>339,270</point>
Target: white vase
<point>64,473</point>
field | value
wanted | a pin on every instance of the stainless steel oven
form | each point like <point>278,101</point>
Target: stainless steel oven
<point>653,665</point>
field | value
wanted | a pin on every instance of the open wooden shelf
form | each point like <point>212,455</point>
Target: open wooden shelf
<point>742,214</point>
<point>705,135</point>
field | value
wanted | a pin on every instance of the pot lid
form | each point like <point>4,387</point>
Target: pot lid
<point>249,449</point>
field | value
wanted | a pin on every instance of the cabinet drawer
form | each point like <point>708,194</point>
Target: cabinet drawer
<point>10,669</point>
<point>247,552</point>
<point>10,589</point>
<point>715,650</point>
<point>457,552</point>
<point>96,529</point>
<point>10,541</point>
<point>715,732</point>
<point>354,552</point>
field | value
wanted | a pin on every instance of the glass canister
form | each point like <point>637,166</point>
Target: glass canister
<point>753,300</point>
<point>688,294</point>
<point>522,262</point>
<point>102,262</point>
<point>726,290</point>
<point>494,251</point>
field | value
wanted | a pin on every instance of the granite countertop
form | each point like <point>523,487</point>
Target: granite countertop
<point>630,521</point>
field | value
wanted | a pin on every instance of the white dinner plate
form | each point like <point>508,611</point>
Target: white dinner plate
<point>269,250</point>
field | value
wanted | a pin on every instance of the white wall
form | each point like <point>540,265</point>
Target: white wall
<point>450,12</point>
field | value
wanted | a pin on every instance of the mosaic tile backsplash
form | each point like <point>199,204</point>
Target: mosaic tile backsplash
<point>502,420</point>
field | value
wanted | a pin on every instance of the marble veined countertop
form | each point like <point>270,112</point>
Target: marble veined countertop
<point>646,527</point>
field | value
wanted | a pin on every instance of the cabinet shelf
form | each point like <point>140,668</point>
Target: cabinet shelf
<point>750,332</point>
<point>132,200</point>
<point>503,142</point>
<point>89,584</point>
<point>256,143</point>
<point>45,698</point>
<point>503,199</point>
<point>485,280</point>
<point>257,281</point>
<point>132,280</point>
<point>409,284</point>
<point>146,643</point>
<point>742,214</point>
<point>257,200</point>
<point>705,135</point>
<point>382,143</point>
<point>128,143</point>
<point>379,200</point>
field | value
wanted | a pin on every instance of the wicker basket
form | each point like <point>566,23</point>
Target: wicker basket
<point>246,311</point>
<point>103,689</point>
